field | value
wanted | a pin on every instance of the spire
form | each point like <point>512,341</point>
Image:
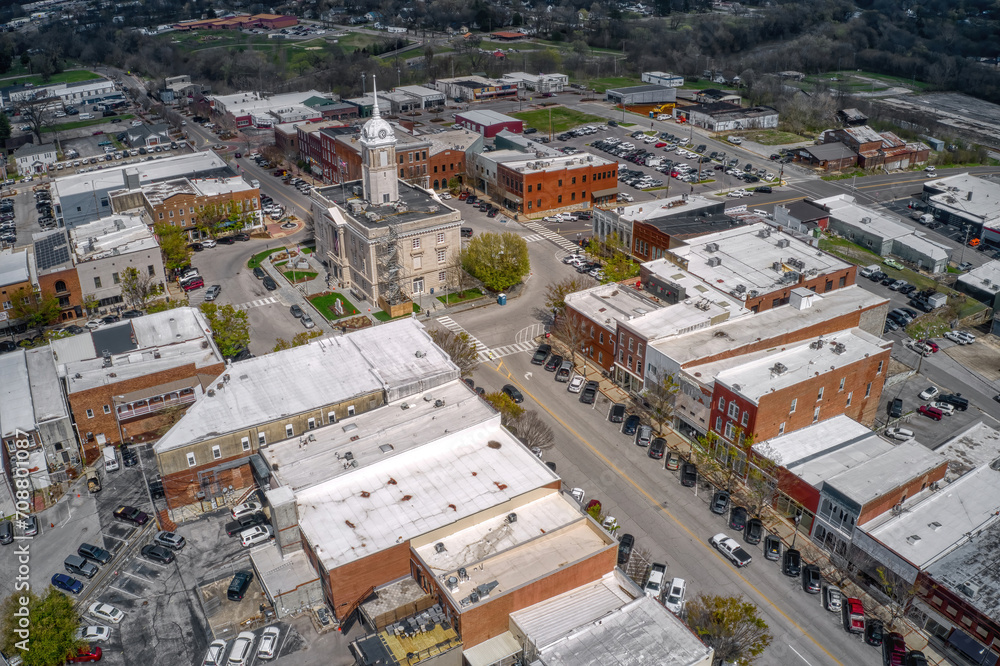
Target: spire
<point>375,112</point>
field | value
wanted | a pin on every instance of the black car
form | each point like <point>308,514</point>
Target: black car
<point>238,587</point>
<point>542,353</point>
<point>512,393</point>
<point>738,518</point>
<point>811,579</point>
<point>589,393</point>
<point>896,408</point>
<point>956,399</point>
<point>269,283</point>
<point>110,319</point>
<point>245,522</point>
<point>873,632</point>
<point>689,474</point>
<point>754,531</point>
<point>772,548</point>
<point>657,448</point>
<point>907,288</point>
<point>242,237</point>
<point>720,502</point>
<point>197,247</point>
<point>259,273</point>
<point>94,553</point>
<point>6,532</point>
<point>915,658</point>
<point>553,363</point>
<point>226,240</point>
<point>131,314</point>
<point>129,456</point>
<point>7,346</point>
<point>766,189</point>
<point>625,545</point>
<point>791,563</point>
<point>157,554</point>
<point>631,424</point>
<point>296,311</point>
<point>617,413</point>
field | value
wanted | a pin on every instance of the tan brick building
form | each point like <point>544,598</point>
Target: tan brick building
<point>57,275</point>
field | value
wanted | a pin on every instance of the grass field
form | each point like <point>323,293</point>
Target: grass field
<point>256,259</point>
<point>605,82</point>
<point>562,119</point>
<point>71,76</point>
<point>467,295</point>
<point>300,276</point>
<point>85,123</point>
<point>772,137</point>
<point>382,315</point>
<point>324,304</point>
<point>859,82</point>
<point>701,84</point>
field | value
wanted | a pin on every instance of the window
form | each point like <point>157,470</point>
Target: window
<point>415,243</point>
<point>442,255</point>
<point>442,276</point>
<point>631,342</point>
<point>331,417</point>
<point>868,389</point>
<point>880,364</point>
<point>843,282</point>
<point>729,430</point>
<point>107,409</point>
<point>559,199</point>
<point>829,285</point>
<point>261,439</point>
<point>191,461</point>
<point>312,424</point>
<point>781,428</point>
<point>245,441</point>
<point>718,423</point>
<point>216,452</point>
<point>722,403</point>
<point>90,413</point>
<point>289,430</point>
<point>7,305</point>
<point>734,410</point>
<point>573,181</point>
<point>560,182</point>
<point>849,396</point>
<point>350,410</point>
<point>97,283</point>
<point>151,270</point>
<point>795,401</point>
<point>601,338</point>
<point>816,415</point>
<point>820,396</point>
<point>529,188</point>
<point>418,285</point>
<point>115,278</point>
<point>440,237</point>
<point>745,419</point>
<point>539,189</point>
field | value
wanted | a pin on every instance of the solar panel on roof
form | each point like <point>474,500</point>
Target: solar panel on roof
<point>51,250</point>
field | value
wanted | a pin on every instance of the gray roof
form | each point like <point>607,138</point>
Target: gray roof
<point>29,149</point>
<point>486,117</point>
<point>805,211</point>
<point>16,410</point>
<point>13,267</point>
<point>46,390</point>
<point>631,90</point>
<point>829,151</point>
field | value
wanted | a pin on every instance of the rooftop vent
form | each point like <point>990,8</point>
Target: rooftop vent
<point>463,574</point>
<point>783,242</point>
<point>913,539</point>
<point>778,369</point>
<point>511,518</point>
<point>712,247</point>
<point>764,233</point>
<point>452,583</point>
<point>969,589</point>
<point>714,261</point>
<point>934,526</point>
<point>816,344</point>
<point>439,547</point>
<point>776,266</point>
<point>839,348</point>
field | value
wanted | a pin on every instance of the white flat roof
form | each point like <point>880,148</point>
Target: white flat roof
<point>245,103</point>
<point>757,374</point>
<point>929,248</point>
<point>732,335</point>
<point>873,478</point>
<point>16,410</point>
<point>800,446</point>
<point>362,513</point>
<point>175,166</point>
<point>111,236</point>
<point>641,632</point>
<point>13,267</point>
<point>398,358</point>
<point>750,257</point>
<point>985,277</point>
<point>977,445</point>
<point>967,195</point>
<point>683,204</point>
<point>610,303</point>
<point>557,163</point>
<point>844,208</point>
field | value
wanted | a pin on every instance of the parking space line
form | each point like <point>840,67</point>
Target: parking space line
<point>118,589</point>
<point>132,574</point>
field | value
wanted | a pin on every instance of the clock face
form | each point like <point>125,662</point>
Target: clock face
<point>381,134</point>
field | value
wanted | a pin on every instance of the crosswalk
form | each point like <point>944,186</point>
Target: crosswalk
<point>256,304</point>
<point>531,238</point>
<point>485,353</point>
<point>562,242</point>
<point>515,348</point>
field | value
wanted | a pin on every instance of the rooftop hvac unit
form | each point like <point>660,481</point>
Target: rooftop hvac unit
<point>779,369</point>
<point>474,598</point>
<point>439,547</point>
<point>463,574</point>
<point>776,266</point>
<point>511,518</point>
<point>452,583</point>
<point>866,220</point>
<point>764,233</point>
<point>839,348</point>
<point>714,261</point>
<point>712,247</point>
<point>816,344</point>
<point>783,242</point>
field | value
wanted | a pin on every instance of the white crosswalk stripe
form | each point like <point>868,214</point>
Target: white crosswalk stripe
<point>256,304</point>
<point>562,242</point>
<point>531,238</point>
<point>455,327</point>
<point>484,351</point>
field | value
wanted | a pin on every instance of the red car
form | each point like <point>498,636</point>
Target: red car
<point>931,412</point>
<point>660,144</point>
<point>933,345</point>
<point>193,284</point>
<point>463,196</point>
<point>91,653</point>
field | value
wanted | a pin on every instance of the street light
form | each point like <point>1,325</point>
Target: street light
<point>795,532</point>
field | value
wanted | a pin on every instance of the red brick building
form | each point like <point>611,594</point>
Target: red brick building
<point>536,186</point>
<point>57,275</point>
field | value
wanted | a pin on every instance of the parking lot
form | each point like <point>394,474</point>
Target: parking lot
<point>927,431</point>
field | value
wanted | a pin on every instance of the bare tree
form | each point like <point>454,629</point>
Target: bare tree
<point>532,430</point>
<point>895,594</point>
<point>761,486</point>
<point>139,288</point>
<point>556,292</point>
<point>573,330</point>
<point>35,112</point>
<point>460,347</point>
<point>660,398</point>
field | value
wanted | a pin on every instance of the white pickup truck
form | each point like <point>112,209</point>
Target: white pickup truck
<point>655,583</point>
<point>731,549</point>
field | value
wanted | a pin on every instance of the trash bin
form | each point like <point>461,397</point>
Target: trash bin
<point>502,299</point>
<point>432,290</point>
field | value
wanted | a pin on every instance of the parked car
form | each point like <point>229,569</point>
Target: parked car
<point>617,413</point>
<point>644,435</point>
<point>738,518</point>
<point>256,535</point>
<point>833,598</point>
<point>576,384</point>
<point>512,393</point>
<point>931,412</point>
<point>131,514</point>
<point>241,652</point>
<point>673,462</point>
<point>772,548</point>
<point>956,399</point>
<point>946,408</point>
<point>213,292</point>
<point>269,283</point>
<point>894,649</point>
<point>655,581</point>
<point>542,353</point>
<point>731,550</point>
<point>657,448</point>
<point>720,502</point>
<point>631,425</point>
<point>169,540</point>
<point>625,545</point>
<point>929,392</point>
<point>157,554</point>
<point>754,531</point>
<point>85,654</point>
<point>689,475</point>
<point>896,408</point>
<point>238,586</point>
<point>873,632</point>
<point>106,612</point>
<point>94,553</point>
<point>902,434</point>
<point>94,633</point>
<point>268,647</point>
<point>589,394</point>
<point>811,579</point>
<point>553,363</point>
<point>791,563</point>
<point>674,597</point>
<point>259,273</point>
<point>66,583</point>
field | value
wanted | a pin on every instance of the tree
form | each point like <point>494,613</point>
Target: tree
<point>731,626</point>
<point>300,339</point>
<point>499,261</point>
<point>618,263</point>
<point>574,330</point>
<point>532,430</point>
<point>139,288</point>
<point>4,127</point>
<point>91,303</point>
<point>218,218</point>
<point>459,347</point>
<point>173,245</point>
<point>761,486</point>
<point>34,310</point>
<point>661,397</point>
<point>35,112</point>
<point>509,410</point>
<point>556,292</point>
<point>230,327</point>
<point>52,623</point>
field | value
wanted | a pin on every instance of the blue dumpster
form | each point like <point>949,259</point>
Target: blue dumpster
<point>432,290</point>
<point>502,299</point>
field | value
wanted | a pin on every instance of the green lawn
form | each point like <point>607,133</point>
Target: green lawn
<point>324,304</point>
<point>467,295</point>
<point>84,123</point>
<point>701,84</point>
<point>603,83</point>
<point>860,81</point>
<point>772,137</point>
<point>562,119</point>
<point>382,315</point>
<point>258,258</point>
<point>71,76</point>
<point>300,276</point>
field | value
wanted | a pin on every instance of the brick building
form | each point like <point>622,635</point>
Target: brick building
<point>57,274</point>
<point>878,149</point>
<point>664,223</point>
<point>123,379</point>
<point>536,186</point>
<point>488,123</point>
<point>16,273</point>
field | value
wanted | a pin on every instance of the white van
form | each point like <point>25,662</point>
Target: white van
<point>110,459</point>
<point>86,116</point>
<point>869,270</point>
<point>735,140</point>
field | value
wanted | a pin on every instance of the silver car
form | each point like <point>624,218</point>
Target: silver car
<point>213,292</point>
<point>644,435</point>
<point>170,540</point>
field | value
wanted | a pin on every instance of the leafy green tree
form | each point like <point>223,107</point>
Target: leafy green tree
<point>34,310</point>
<point>509,410</point>
<point>731,626</point>
<point>51,633</point>
<point>222,218</point>
<point>499,261</point>
<point>460,347</point>
<point>297,341</point>
<point>230,327</point>
<point>139,288</point>
<point>173,245</point>
<point>618,263</point>
<point>4,127</point>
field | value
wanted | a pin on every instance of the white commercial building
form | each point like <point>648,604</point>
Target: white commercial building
<point>663,79</point>
<point>540,83</point>
<point>253,109</point>
<point>103,249</point>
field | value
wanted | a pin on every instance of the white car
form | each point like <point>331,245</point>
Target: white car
<point>674,600</point>
<point>902,434</point>
<point>967,338</point>
<point>207,243</point>
<point>956,337</point>
<point>578,494</point>
<point>106,612</point>
<point>551,218</point>
<point>94,324</point>
<point>655,582</point>
<point>241,652</point>
<point>731,549</point>
<point>570,258</point>
<point>446,196</point>
<point>945,407</point>
<point>256,535</point>
<point>216,653</point>
<point>95,633</point>
<point>268,647</point>
<point>576,384</point>
<point>929,392</point>
<point>245,509</point>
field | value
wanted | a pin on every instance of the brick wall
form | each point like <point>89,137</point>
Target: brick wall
<point>182,488</point>
<point>648,242</point>
<point>68,291</point>
<point>894,496</point>
<point>443,165</point>
<point>600,342</point>
<point>959,611</point>
<point>181,210</point>
<point>350,581</point>
<point>821,284</point>
<point>557,188</point>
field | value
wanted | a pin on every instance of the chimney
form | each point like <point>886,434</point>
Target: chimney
<point>968,197</point>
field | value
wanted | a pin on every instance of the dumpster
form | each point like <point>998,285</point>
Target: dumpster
<point>502,299</point>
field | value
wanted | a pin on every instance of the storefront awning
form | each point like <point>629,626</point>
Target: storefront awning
<point>605,193</point>
<point>512,197</point>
